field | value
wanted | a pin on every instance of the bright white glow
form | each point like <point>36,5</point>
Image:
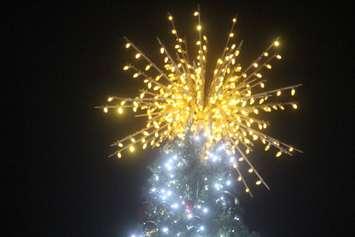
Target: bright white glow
<point>231,159</point>
<point>175,206</point>
<point>205,210</point>
<point>214,157</point>
<point>189,216</point>
<point>228,183</point>
<point>165,230</point>
<point>168,166</point>
<point>217,186</point>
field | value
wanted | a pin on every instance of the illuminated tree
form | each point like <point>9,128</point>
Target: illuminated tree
<point>189,198</point>
<point>208,131</point>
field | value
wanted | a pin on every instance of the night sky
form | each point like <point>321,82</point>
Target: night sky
<point>71,55</point>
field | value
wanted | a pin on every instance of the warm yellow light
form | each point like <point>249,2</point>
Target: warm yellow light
<point>147,67</point>
<point>176,99</point>
<point>293,92</point>
<point>278,154</point>
<point>267,147</point>
<point>119,155</point>
<point>131,148</point>
<point>120,110</point>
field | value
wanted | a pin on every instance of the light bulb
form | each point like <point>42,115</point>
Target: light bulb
<point>293,92</point>
<point>132,148</point>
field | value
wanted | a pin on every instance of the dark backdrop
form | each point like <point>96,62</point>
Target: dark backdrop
<point>69,56</point>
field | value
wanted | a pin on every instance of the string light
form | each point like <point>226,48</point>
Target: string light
<point>176,102</point>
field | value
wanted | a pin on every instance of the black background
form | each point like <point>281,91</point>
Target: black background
<point>70,55</point>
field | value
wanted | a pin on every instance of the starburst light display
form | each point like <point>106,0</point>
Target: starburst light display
<point>179,103</point>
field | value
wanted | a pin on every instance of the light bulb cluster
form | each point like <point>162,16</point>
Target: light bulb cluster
<point>175,101</point>
<point>183,209</point>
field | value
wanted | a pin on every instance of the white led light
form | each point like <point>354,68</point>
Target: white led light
<point>165,230</point>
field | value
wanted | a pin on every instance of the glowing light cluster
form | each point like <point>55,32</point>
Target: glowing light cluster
<point>178,101</point>
<point>183,213</point>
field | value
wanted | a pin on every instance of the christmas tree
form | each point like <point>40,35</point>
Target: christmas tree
<point>191,197</point>
<point>207,131</point>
